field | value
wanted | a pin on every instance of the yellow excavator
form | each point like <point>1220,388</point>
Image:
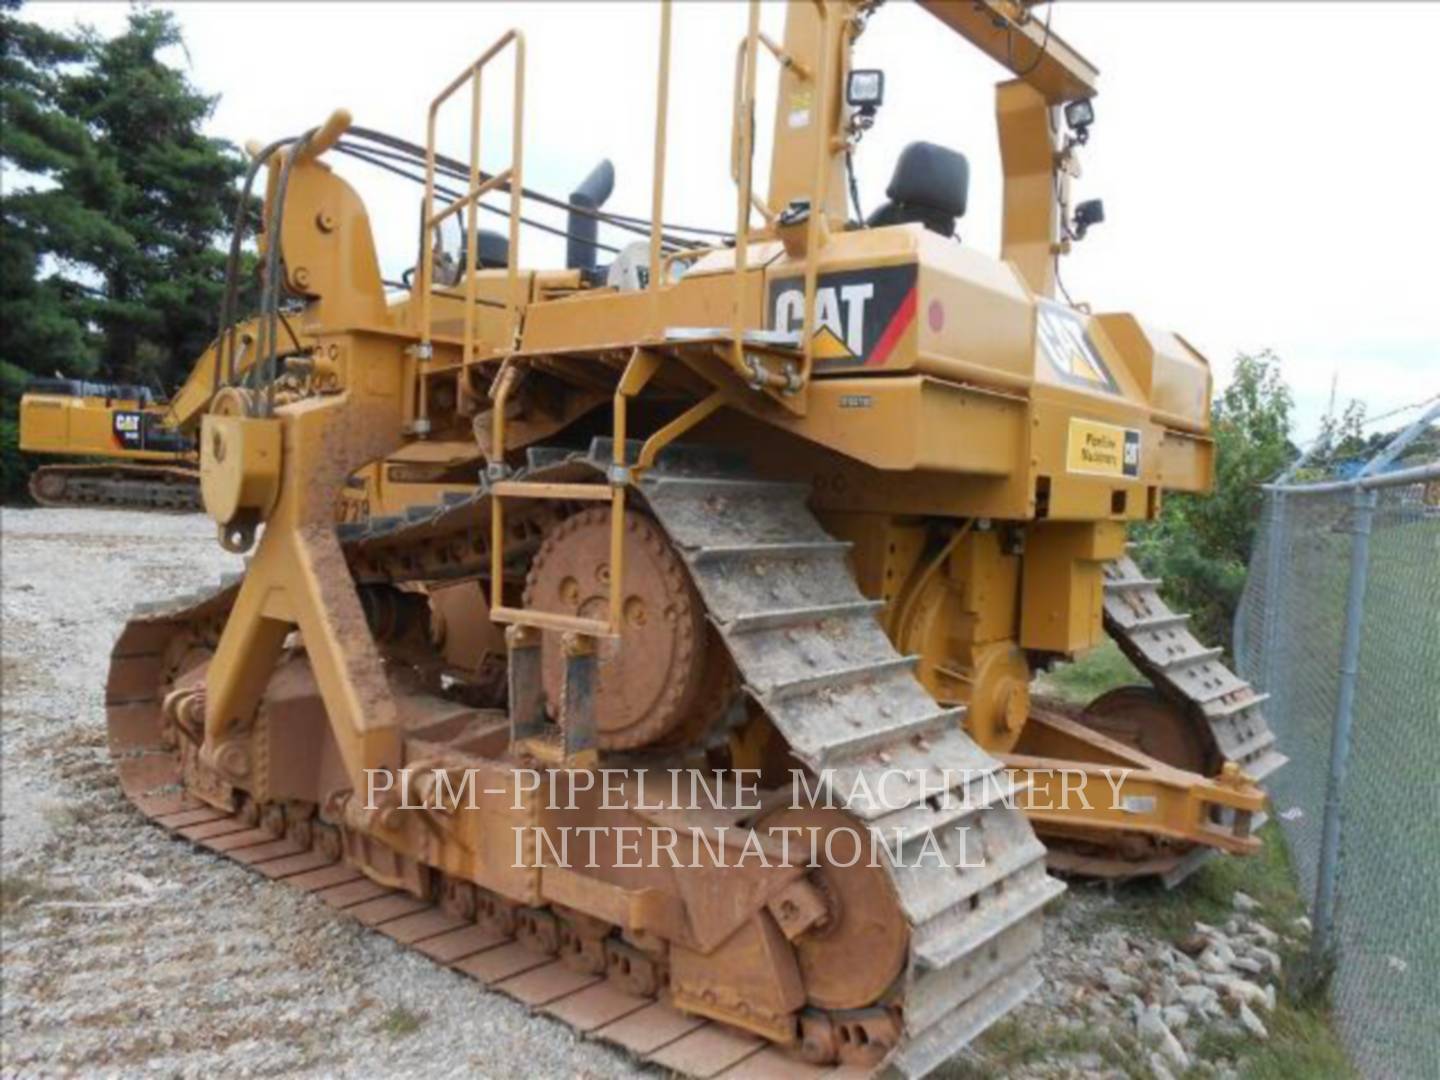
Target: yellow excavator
<point>653,641</point>
<point>140,451</point>
<point>139,459</point>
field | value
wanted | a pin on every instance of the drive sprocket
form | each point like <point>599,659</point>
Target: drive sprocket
<point>651,680</point>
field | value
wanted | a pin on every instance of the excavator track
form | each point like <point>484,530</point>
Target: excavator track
<point>809,652</point>
<point>172,488</point>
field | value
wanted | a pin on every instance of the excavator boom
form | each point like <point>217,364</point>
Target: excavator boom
<point>1009,33</point>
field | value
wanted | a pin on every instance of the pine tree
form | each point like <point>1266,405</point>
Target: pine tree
<point>110,264</point>
<point>40,328</point>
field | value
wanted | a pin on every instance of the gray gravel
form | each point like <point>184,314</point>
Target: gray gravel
<point>127,952</point>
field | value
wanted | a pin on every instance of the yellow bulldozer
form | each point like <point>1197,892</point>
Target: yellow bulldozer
<point>654,641</point>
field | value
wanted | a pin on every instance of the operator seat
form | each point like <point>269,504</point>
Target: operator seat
<point>929,186</point>
<point>492,249</point>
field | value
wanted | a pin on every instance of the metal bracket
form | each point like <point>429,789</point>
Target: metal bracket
<point>527,695</point>
<point>577,696</point>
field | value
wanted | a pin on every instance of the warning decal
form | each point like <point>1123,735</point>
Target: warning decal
<point>1100,449</point>
<point>1061,333</point>
<point>860,315</point>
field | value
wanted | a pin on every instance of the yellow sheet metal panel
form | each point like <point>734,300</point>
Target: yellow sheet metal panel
<point>1092,463</point>
<point>93,426</point>
<point>901,299</point>
<point>239,465</point>
<point>1062,600</point>
<point>1172,376</point>
<point>44,424</point>
<point>915,423</point>
<point>1187,462</point>
<point>604,318</point>
<point>989,578</point>
<point>87,426</point>
<point>1031,161</point>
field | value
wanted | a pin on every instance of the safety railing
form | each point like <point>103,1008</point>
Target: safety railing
<point>511,177</point>
<point>645,362</point>
<point>742,170</point>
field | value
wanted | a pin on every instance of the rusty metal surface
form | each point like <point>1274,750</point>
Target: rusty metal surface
<point>647,1027</point>
<point>807,649</point>
<point>810,652</point>
<point>1143,718</point>
<point>969,943</point>
<point>653,685</point>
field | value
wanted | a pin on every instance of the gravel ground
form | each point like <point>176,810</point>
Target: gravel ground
<point>127,952</point>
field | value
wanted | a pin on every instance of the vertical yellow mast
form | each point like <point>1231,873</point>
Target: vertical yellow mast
<point>814,63</point>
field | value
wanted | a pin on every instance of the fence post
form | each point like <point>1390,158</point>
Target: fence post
<point>1273,596</point>
<point>1325,878</point>
<point>1365,500</point>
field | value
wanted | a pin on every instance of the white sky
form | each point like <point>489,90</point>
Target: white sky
<point>1269,171</point>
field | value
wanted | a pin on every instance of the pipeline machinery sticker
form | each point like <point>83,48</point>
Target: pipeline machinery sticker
<point>1102,449</point>
<point>1062,336</point>
<point>860,315</point>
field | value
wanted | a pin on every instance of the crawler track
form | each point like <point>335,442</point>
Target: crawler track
<point>1211,700</point>
<point>1159,642</point>
<point>173,488</point>
<point>808,651</point>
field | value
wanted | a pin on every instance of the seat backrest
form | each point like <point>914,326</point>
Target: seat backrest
<point>930,186</point>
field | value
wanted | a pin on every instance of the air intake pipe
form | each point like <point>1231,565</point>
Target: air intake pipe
<point>580,249</point>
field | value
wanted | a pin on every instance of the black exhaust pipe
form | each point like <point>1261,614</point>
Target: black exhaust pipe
<point>580,249</point>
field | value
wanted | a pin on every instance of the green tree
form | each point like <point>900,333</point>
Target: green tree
<point>37,138</point>
<point>115,201</point>
<point>1201,544</point>
<point>1341,441</point>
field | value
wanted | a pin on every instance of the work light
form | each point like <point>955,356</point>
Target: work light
<point>865,89</point>
<point>1079,115</point>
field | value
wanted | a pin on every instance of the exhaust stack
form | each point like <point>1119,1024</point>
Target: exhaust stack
<point>580,249</point>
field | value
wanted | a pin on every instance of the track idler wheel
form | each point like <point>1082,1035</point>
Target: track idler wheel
<point>48,486</point>
<point>854,954</point>
<point>662,675</point>
<point>1144,719</point>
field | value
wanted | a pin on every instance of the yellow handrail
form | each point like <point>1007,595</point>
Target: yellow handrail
<point>746,120</point>
<point>657,182</point>
<point>742,169</point>
<point>513,177</point>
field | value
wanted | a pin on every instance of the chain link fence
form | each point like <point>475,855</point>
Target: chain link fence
<point>1368,745</point>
